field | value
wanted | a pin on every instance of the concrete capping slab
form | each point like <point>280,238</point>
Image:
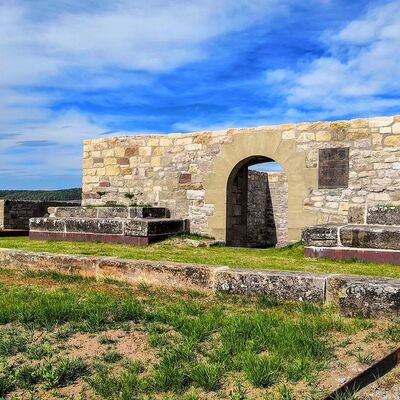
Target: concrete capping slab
<point>353,295</point>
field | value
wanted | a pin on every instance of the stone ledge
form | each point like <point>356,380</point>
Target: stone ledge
<point>368,297</point>
<point>355,296</point>
<point>110,226</point>
<point>370,236</point>
<point>109,212</point>
<point>383,215</point>
<point>351,253</point>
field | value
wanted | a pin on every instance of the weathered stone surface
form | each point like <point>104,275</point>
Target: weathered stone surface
<point>366,297</point>
<point>112,226</point>
<point>15,214</point>
<point>321,235</point>
<point>109,212</point>
<point>157,273</point>
<point>79,212</point>
<point>383,215</point>
<point>148,212</point>
<point>370,236</point>
<point>356,215</point>
<point>154,227</point>
<point>281,284</point>
<point>112,212</point>
<point>47,224</point>
<point>94,225</point>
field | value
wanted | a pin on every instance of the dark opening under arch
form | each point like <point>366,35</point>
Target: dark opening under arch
<point>250,219</point>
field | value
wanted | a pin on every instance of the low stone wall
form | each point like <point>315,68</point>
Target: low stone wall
<point>355,296</point>
<point>15,214</point>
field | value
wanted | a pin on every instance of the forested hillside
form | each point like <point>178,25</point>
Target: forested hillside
<point>62,195</point>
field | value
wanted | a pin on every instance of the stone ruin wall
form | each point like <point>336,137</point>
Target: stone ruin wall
<point>188,172</point>
<point>267,208</point>
<point>15,214</point>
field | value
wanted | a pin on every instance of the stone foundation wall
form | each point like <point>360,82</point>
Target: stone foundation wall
<point>188,173</point>
<point>15,214</point>
<point>267,208</point>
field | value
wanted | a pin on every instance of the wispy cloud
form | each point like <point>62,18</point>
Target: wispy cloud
<point>357,75</point>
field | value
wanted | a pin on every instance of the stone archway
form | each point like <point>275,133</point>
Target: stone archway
<point>249,211</point>
<point>265,143</point>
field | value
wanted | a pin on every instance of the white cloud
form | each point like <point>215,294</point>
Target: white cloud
<point>359,76</point>
<point>94,44</point>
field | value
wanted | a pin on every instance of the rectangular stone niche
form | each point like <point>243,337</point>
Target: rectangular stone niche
<point>333,170</point>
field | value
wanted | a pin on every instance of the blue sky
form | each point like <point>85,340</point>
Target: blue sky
<point>72,70</point>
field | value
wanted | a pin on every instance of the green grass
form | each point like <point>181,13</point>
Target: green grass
<point>290,258</point>
<point>199,341</point>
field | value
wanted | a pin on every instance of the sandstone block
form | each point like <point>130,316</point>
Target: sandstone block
<point>392,140</point>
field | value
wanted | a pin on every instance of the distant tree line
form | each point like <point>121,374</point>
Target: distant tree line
<point>48,195</point>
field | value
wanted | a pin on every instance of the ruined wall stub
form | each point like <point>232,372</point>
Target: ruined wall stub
<point>188,173</point>
<point>266,209</point>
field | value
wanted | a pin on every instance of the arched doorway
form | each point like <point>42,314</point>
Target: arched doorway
<point>256,203</point>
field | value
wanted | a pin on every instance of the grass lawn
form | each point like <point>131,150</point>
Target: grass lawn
<point>290,258</point>
<point>65,336</point>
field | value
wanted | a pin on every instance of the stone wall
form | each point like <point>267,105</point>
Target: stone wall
<point>267,209</point>
<point>354,296</point>
<point>15,214</point>
<point>188,173</point>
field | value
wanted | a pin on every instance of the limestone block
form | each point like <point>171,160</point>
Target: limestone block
<point>110,161</point>
<point>396,127</point>
<point>366,297</point>
<point>195,194</point>
<point>119,152</point>
<point>153,142</point>
<point>155,161</point>
<point>112,170</point>
<point>354,134</point>
<point>286,285</point>
<point>158,151</point>
<point>356,214</point>
<point>165,141</point>
<point>323,136</point>
<point>380,122</point>
<point>392,140</point>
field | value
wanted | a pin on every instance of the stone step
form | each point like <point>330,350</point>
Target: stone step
<point>109,212</point>
<point>144,227</point>
<point>386,237</point>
